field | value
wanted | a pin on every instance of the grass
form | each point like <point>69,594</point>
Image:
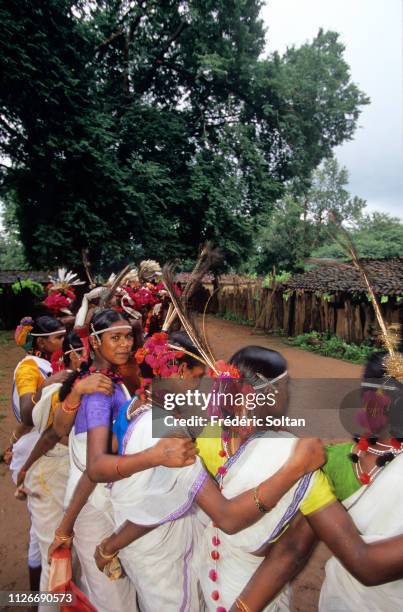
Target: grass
<point>5,337</point>
<point>333,346</point>
<point>230,316</point>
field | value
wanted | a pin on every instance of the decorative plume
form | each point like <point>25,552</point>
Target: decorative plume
<point>87,266</point>
<point>107,297</point>
<point>206,259</point>
<point>148,269</point>
<point>394,360</point>
<point>65,279</point>
<point>189,326</point>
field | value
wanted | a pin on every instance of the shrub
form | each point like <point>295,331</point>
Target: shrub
<point>334,346</point>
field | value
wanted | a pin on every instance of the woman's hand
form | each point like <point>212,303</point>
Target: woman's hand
<point>174,452</point>
<point>104,549</point>
<point>59,377</point>
<point>21,477</point>
<point>8,455</point>
<point>95,383</point>
<point>59,541</point>
<point>308,455</point>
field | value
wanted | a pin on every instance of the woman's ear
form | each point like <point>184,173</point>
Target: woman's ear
<point>182,369</point>
<point>94,343</point>
<point>40,344</point>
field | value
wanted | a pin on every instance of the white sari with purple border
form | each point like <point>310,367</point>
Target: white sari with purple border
<point>159,563</point>
<point>256,460</point>
<point>377,511</point>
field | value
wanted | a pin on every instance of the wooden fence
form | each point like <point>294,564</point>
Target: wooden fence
<point>299,311</point>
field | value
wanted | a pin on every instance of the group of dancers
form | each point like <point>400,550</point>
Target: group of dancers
<point>218,521</point>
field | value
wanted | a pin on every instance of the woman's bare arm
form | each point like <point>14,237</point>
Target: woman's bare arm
<point>287,557</point>
<point>372,564</point>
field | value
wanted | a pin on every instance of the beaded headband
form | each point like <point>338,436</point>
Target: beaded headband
<point>54,333</point>
<point>74,350</point>
<point>110,328</point>
<point>265,381</point>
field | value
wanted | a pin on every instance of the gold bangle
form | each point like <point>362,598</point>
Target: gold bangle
<point>261,507</point>
<point>33,400</point>
<point>13,438</point>
<point>241,605</point>
<point>63,537</point>
<point>104,555</point>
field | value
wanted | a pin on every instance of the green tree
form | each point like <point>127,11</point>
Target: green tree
<point>11,250</point>
<point>299,226</point>
<point>376,235</point>
<point>329,193</point>
<point>144,128</point>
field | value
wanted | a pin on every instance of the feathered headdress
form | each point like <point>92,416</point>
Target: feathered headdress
<point>64,280</point>
<point>216,369</point>
<point>61,292</point>
<point>149,269</point>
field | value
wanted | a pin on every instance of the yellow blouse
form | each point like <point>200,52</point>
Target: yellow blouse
<point>319,495</point>
<point>28,377</point>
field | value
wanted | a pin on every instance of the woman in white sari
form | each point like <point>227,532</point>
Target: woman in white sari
<point>46,470</point>
<point>254,583</point>
<point>33,374</point>
<point>369,485</point>
<point>158,531</point>
<point>377,511</point>
<point>92,461</point>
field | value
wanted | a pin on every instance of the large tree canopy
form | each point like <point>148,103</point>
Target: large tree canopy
<point>142,128</point>
<point>300,225</point>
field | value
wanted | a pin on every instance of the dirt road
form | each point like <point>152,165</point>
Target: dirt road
<point>225,338</point>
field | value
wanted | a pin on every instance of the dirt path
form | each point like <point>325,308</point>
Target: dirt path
<point>225,338</point>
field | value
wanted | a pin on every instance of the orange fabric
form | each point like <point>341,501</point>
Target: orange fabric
<point>28,377</point>
<point>60,581</point>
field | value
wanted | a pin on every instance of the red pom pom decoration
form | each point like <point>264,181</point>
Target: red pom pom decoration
<point>222,470</point>
<point>363,444</point>
<point>221,609</point>
<point>221,453</point>
<point>216,541</point>
<point>365,478</point>
<point>215,595</point>
<point>213,575</point>
<point>215,555</point>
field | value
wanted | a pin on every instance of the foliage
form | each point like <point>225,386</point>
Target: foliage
<point>143,129</point>
<point>11,250</point>
<point>231,316</point>
<point>328,193</point>
<point>34,287</point>
<point>333,346</point>
<point>377,236</point>
<point>298,227</point>
<point>270,278</point>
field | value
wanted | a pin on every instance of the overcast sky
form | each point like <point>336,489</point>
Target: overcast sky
<point>371,31</point>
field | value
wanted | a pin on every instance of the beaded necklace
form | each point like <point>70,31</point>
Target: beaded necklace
<point>366,446</point>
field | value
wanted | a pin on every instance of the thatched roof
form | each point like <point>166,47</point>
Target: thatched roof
<point>386,276</point>
<point>8,277</point>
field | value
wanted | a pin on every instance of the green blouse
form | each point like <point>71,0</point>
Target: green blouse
<point>340,470</point>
